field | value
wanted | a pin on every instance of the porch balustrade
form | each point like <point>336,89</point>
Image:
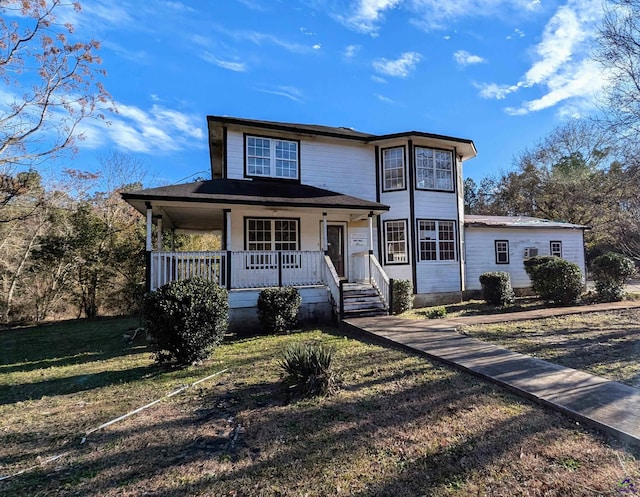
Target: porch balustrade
<point>237,270</point>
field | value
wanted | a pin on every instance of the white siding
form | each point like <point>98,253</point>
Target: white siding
<point>480,251</point>
<point>340,166</point>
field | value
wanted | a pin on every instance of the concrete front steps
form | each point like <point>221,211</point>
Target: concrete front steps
<point>362,300</point>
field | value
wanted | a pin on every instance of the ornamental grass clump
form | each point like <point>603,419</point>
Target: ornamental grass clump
<point>185,320</point>
<point>308,370</point>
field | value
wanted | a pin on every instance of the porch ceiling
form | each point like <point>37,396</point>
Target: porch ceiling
<point>200,205</point>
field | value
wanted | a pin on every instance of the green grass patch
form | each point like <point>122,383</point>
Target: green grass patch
<point>396,425</point>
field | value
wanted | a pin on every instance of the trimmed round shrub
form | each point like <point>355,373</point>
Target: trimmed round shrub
<point>278,309</point>
<point>308,370</point>
<point>185,320</point>
<point>496,288</point>
<point>555,280</point>
<point>610,273</point>
<point>402,296</point>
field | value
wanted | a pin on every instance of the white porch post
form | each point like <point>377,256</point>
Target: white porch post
<point>371,232</point>
<point>325,241</point>
<point>159,223</point>
<point>227,229</point>
<point>149,246</point>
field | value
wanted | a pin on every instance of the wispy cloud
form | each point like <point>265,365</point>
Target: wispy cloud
<point>351,51</point>
<point>225,64</point>
<point>290,92</point>
<point>156,130</point>
<point>562,64</point>
<point>384,99</point>
<point>364,15</point>
<point>400,67</point>
<point>464,58</point>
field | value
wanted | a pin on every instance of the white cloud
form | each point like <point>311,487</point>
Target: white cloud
<point>290,92</point>
<point>400,67</point>
<point>562,67</point>
<point>225,64</point>
<point>384,99</point>
<point>156,130</point>
<point>351,51</point>
<point>364,15</point>
<point>464,58</point>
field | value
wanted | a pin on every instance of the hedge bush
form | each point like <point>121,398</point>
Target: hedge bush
<point>554,279</point>
<point>185,320</point>
<point>402,296</point>
<point>278,309</point>
<point>610,272</point>
<point>496,288</point>
<point>308,370</point>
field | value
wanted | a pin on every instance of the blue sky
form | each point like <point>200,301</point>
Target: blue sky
<point>500,72</point>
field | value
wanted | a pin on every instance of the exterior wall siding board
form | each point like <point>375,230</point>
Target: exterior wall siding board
<point>480,251</point>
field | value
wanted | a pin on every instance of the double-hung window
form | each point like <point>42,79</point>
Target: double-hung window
<point>555,248</point>
<point>436,240</point>
<point>272,234</point>
<point>272,157</point>
<point>434,169</point>
<point>502,251</point>
<point>395,233</point>
<point>393,168</point>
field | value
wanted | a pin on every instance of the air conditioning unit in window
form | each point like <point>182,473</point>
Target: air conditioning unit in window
<point>530,252</point>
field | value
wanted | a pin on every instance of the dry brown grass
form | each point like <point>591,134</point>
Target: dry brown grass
<point>604,343</point>
<point>398,426</point>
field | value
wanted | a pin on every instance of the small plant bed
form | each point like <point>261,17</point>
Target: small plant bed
<point>395,424</point>
<point>473,308</point>
<point>606,344</point>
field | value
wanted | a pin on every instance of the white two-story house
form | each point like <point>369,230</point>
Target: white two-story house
<point>337,213</point>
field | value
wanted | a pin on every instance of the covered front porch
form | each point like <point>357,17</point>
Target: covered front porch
<point>269,233</point>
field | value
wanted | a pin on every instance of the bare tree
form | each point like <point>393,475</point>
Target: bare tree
<point>52,82</point>
<point>619,52</point>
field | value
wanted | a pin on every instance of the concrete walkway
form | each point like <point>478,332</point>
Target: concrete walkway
<point>592,400</point>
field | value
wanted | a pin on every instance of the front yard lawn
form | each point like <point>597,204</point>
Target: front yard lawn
<point>606,344</point>
<point>399,425</point>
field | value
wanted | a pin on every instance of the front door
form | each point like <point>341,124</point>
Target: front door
<point>335,245</point>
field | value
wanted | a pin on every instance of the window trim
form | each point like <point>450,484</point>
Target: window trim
<point>259,218</point>
<point>453,169</point>
<point>406,242</point>
<point>496,242</point>
<point>271,177</point>
<point>404,168</point>
<point>438,260</point>
<point>551,247</point>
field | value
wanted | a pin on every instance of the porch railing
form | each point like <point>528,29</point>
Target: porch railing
<point>380,280</point>
<point>332,280</point>
<point>236,270</point>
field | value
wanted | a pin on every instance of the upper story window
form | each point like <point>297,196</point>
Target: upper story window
<point>393,168</point>
<point>272,157</point>
<point>434,169</point>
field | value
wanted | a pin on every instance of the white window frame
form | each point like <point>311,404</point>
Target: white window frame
<point>283,156</point>
<point>432,235</point>
<point>434,167</point>
<point>390,158</point>
<point>502,248</point>
<point>275,244</point>
<point>558,251</point>
<point>391,254</point>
